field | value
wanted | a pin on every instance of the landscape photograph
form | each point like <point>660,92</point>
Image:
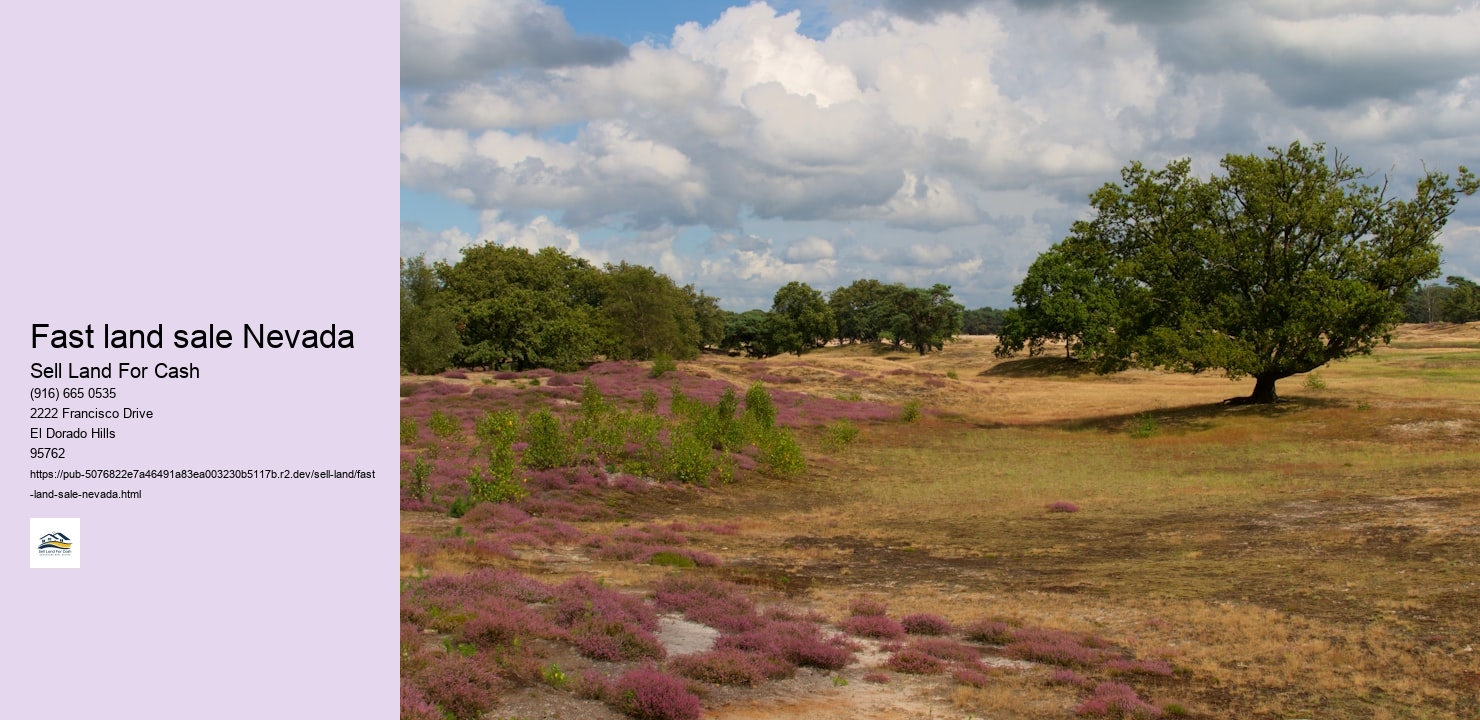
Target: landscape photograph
<point>942,359</point>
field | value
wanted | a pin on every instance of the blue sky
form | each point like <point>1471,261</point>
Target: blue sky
<point>739,147</point>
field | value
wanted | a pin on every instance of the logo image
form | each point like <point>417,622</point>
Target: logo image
<point>55,543</point>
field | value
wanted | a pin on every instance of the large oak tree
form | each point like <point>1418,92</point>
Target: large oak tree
<point>1277,266</point>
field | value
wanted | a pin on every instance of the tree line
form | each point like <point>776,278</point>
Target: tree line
<point>509,308</point>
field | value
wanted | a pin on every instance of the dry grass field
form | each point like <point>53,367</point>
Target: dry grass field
<point>1315,559</point>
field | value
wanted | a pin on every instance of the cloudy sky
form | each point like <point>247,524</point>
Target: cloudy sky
<point>740,147</point>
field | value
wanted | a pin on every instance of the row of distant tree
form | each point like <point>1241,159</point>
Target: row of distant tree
<point>506,307</point>
<point>1456,301</point>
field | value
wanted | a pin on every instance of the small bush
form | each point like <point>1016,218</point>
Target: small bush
<point>911,412</point>
<point>914,662</point>
<point>614,640</point>
<point>840,434</point>
<point>646,693</point>
<point>877,678</point>
<point>925,624</point>
<point>952,374</point>
<point>1314,381</point>
<point>867,606</point>
<point>879,627</point>
<point>663,363</point>
<point>969,677</point>
<point>1063,507</point>
<point>460,686</point>
<point>444,425</point>
<point>1065,676</point>
<point>990,632</point>
<point>416,478</point>
<point>946,649</point>
<point>1115,700</point>
<point>1144,426</point>
<point>721,667</point>
<point>409,430</point>
<point>759,410</point>
<point>671,558</point>
<point>649,400</point>
<point>781,453</point>
<point>548,445</point>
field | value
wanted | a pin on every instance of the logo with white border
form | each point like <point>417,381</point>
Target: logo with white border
<point>54,543</point>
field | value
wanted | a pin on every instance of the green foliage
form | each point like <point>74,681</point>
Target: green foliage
<point>669,558</point>
<point>982,321</point>
<point>649,400</point>
<point>409,430</point>
<point>524,310</point>
<point>429,337</point>
<point>688,459</point>
<point>760,412</point>
<point>555,677</point>
<point>496,432</point>
<point>861,310</point>
<point>911,412</point>
<point>663,363</point>
<point>549,447</point>
<point>646,315</point>
<point>780,452</point>
<point>1280,265</point>
<point>444,425</point>
<point>1145,426</point>
<point>925,319</point>
<point>592,403</point>
<point>800,319</point>
<point>417,475</point>
<point>749,333</point>
<point>1462,303</point>
<point>1314,381</point>
<point>840,434</point>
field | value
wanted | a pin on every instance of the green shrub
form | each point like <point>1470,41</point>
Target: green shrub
<point>548,445</point>
<point>496,432</point>
<point>1314,381</point>
<point>759,410</point>
<point>781,453</point>
<point>668,558</point>
<point>911,412</point>
<point>409,430</point>
<point>444,425</point>
<point>490,488</point>
<point>649,400</point>
<point>1144,426</point>
<point>663,363</point>
<point>689,459</point>
<point>417,475</point>
<point>840,434</point>
<point>952,375</point>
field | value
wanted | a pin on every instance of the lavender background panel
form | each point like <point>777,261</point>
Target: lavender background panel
<point>185,163</point>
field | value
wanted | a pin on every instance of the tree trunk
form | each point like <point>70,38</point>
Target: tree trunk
<point>1264,390</point>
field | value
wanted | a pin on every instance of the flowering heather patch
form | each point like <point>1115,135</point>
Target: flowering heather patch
<point>874,626</point>
<point>505,375</point>
<point>1063,507</point>
<point>721,667</point>
<point>416,706</point>
<point>565,510</point>
<point>1057,647</point>
<point>614,641</point>
<point>433,388</point>
<point>581,598</point>
<point>991,632</point>
<point>969,677</point>
<point>562,381</point>
<point>945,649</point>
<point>504,622</point>
<point>1115,700</point>
<point>647,693</point>
<point>455,375</point>
<point>877,678</point>
<point>1065,676</point>
<point>799,643</point>
<point>914,662</point>
<point>925,624</point>
<point>1126,666</point>
<point>863,606</point>
<point>935,382</point>
<point>462,687</point>
<point>715,603</point>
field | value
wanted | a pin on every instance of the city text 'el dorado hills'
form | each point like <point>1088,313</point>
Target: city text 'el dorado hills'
<point>206,338</point>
